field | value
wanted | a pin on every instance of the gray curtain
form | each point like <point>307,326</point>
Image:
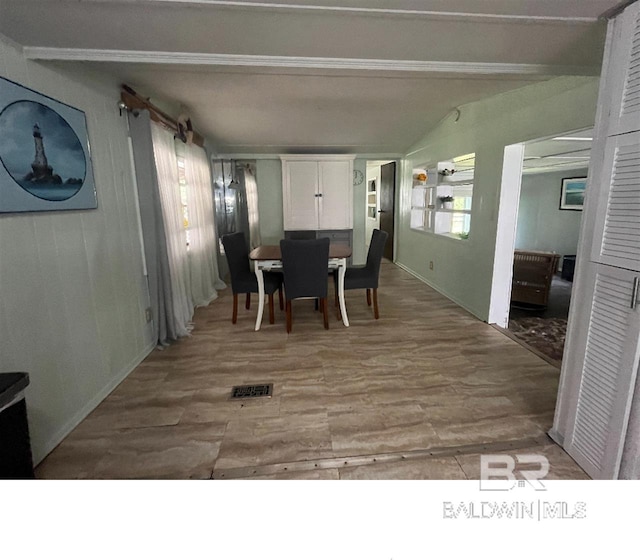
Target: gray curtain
<point>153,231</point>
<point>251,193</point>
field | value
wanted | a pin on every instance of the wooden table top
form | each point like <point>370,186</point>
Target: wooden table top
<point>272,252</point>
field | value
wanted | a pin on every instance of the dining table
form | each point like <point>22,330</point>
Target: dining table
<point>269,257</point>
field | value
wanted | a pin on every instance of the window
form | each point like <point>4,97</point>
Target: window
<point>183,196</point>
<point>442,197</point>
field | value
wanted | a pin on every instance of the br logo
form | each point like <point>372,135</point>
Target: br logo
<point>498,472</point>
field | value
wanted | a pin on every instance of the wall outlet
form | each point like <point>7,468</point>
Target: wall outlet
<point>430,265</point>
<point>148,314</point>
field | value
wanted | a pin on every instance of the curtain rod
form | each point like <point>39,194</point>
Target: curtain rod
<point>134,100</point>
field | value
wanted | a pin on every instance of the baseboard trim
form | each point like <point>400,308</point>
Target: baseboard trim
<point>556,436</point>
<point>55,440</point>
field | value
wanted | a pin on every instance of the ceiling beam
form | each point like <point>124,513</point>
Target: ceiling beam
<point>369,64</point>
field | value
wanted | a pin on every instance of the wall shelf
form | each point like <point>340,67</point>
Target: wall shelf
<point>453,211</point>
<point>427,213</point>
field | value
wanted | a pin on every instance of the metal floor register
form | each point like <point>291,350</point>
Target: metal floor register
<point>251,391</point>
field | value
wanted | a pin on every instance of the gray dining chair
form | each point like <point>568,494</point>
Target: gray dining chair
<point>305,265</point>
<point>243,280</point>
<point>366,277</point>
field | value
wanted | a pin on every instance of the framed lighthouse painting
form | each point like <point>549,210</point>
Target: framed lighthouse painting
<point>45,162</point>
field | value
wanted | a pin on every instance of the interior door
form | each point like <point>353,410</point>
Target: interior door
<point>603,337</point>
<point>618,219</point>
<point>386,210</point>
<point>597,431</point>
<point>625,69</point>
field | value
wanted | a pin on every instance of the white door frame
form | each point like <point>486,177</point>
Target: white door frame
<point>506,235</point>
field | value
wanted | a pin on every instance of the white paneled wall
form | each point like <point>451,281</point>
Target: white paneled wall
<point>72,290</point>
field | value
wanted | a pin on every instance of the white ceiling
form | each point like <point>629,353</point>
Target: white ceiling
<point>561,153</point>
<point>357,76</point>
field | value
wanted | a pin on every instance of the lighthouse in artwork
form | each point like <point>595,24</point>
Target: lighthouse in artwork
<point>41,172</point>
<point>40,164</point>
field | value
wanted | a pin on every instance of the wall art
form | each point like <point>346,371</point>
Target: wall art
<point>44,153</point>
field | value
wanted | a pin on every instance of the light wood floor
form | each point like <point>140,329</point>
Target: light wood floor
<point>418,394</point>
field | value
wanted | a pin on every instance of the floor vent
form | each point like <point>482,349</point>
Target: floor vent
<point>250,391</point>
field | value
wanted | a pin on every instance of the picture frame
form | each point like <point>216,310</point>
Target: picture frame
<point>572,193</point>
<point>45,159</point>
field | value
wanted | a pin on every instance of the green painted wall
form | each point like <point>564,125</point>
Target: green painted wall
<point>269,179</point>
<point>463,268</point>
<point>542,226</point>
<point>359,255</point>
<point>72,290</point>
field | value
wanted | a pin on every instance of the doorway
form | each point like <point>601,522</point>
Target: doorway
<point>380,202</point>
<point>540,216</point>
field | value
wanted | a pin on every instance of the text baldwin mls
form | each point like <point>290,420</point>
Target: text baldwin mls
<point>534,510</point>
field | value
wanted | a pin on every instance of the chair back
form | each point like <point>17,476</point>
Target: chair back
<point>376,250</point>
<point>237,253</point>
<point>305,264</point>
<point>303,234</point>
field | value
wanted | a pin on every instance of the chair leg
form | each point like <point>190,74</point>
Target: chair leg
<point>316,304</point>
<point>288,313</point>
<point>375,303</point>
<point>247,303</point>
<point>271,314</point>
<point>368,297</point>
<point>234,317</point>
<point>325,312</point>
<point>280,298</point>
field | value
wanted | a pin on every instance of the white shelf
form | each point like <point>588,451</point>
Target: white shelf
<point>427,213</point>
<point>455,236</point>
<point>460,183</point>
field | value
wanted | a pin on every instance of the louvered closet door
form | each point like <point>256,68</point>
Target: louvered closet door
<point>624,74</point>
<point>596,436</point>
<point>617,227</point>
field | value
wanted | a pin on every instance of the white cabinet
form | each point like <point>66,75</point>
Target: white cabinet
<point>607,373</point>
<point>602,351</point>
<point>617,228</point>
<point>317,192</point>
<point>616,179</point>
<point>623,73</point>
<point>301,183</point>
